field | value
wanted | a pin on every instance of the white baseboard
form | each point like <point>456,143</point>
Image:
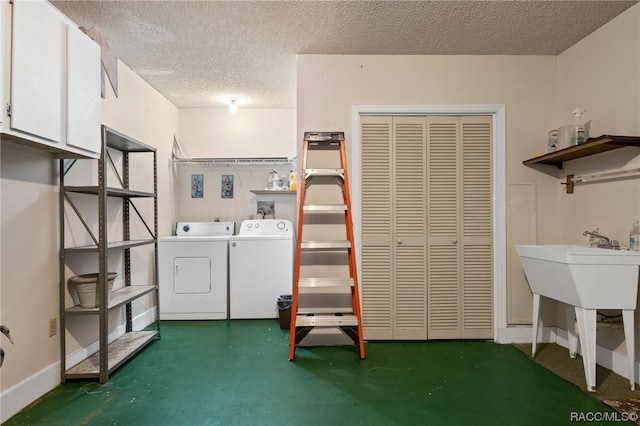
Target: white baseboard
<point>614,361</point>
<point>524,334</point>
<point>29,390</point>
<point>607,358</point>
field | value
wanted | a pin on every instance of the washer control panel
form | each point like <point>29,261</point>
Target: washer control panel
<point>205,228</point>
<point>266,227</point>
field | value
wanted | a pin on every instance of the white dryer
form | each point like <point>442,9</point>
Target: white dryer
<point>193,271</point>
<point>261,259</point>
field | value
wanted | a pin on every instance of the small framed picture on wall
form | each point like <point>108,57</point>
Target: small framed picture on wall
<point>197,186</point>
<point>227,186</point>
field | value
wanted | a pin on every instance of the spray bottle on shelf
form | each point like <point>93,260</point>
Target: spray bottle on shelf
<point>634,237</point>
<point>274,181</point>
<point>577,135</point>
<point>277,183</point>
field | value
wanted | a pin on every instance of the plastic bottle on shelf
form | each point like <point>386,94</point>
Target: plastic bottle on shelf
<point>293,182</point>
<point>277,183</point>
<point>634,237</point>
<point>552,143</point>
<point>577,136</point>
<point>270,180</point>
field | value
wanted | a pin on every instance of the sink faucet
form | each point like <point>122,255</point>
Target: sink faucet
<point>603,242</point>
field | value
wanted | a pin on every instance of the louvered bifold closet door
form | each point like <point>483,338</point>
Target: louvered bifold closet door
<point>409,183</point>
<point>476,240</point>
<point>426,227</point>
<point>443,206</point>
<point>376,269</point>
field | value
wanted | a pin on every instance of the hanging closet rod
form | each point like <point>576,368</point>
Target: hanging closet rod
<point>572,180</point>
<point>622,173</point>
<point>232,161</point>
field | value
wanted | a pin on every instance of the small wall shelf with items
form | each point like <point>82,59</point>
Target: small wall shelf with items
<point>592,146</point>
<point>272,192</point>
<point>110,355</point>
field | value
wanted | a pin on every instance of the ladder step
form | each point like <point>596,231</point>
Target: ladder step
<point>325,208</point>
<point>316,310</point>
<point>325,282</point>
<point>326,320</point>
<point>325,245</point>
<point>309,173</point>
<point>323,136</point>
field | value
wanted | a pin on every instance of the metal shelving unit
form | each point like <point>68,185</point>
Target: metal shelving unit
<point>110,355</point>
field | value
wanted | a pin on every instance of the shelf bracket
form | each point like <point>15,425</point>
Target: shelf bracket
<point>569,184</point>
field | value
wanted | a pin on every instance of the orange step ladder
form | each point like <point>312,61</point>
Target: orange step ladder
<point>306,313</point>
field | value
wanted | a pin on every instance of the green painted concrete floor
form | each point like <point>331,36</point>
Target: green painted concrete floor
<point>238,373</point>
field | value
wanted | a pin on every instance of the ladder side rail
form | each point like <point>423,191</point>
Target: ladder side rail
<point>348,216</point>
<point>296,272</point>
<point>355,294</point>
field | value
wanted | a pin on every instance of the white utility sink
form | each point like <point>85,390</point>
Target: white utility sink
<point>586,279</point>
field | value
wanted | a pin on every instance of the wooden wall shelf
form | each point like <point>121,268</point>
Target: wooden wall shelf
<point>271,191</point>
<point>592,146</point>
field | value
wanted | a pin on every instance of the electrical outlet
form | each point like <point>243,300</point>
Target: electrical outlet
<point>53,326</point>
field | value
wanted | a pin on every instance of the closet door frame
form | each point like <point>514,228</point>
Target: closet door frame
<point>497,112</point>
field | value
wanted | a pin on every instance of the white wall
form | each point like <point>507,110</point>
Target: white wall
<point>29,238</point>
<point>28,266</point>
<point>243,204</point>
<point>329,85</point>
<point>249,133</point>
<point>142,113</point>
<point>215,132</point>
<point>601,74</point>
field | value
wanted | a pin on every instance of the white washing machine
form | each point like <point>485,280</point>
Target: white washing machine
<point>193,271</point>
<point>261,259</point>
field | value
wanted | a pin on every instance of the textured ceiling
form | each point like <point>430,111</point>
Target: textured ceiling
<point>200,53</point>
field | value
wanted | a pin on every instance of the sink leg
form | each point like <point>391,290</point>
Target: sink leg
<point>571,330</point>
<point>587,325</point>
<point>536,319</point>
<point>629,338</point>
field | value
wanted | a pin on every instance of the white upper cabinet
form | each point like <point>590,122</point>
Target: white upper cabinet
<point>54,87</point>
<point>3,49</point>
<point>83,91</point>
<point>37,70</point>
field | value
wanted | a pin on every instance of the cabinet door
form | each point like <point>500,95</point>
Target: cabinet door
<point>5,23</point>
<point>83,91</point>
<point>37,77</point>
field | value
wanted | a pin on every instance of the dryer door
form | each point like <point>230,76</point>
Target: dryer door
<point>192,275</point>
